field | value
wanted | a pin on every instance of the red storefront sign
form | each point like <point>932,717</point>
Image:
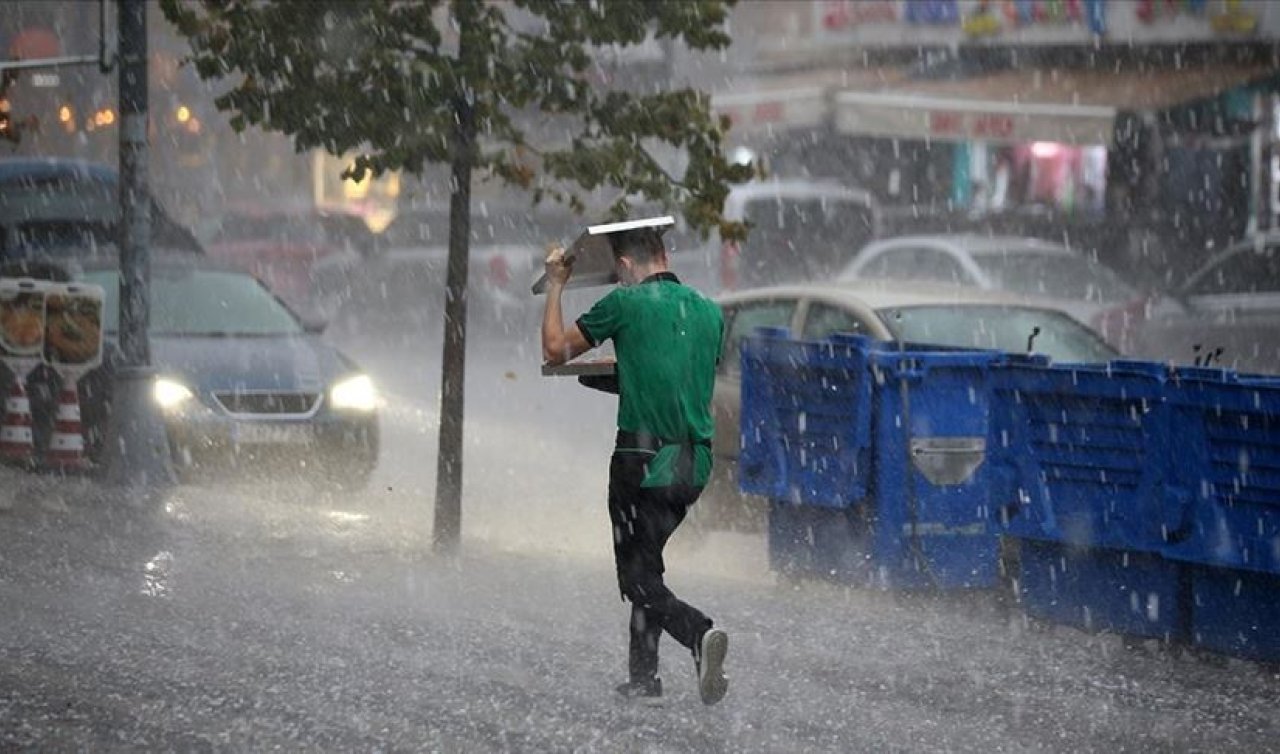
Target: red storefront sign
<point>972,125</point>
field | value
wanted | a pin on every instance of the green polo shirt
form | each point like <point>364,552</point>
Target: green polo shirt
<point>667,339</point>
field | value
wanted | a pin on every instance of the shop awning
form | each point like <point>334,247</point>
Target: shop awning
<point>1068,106</point>
<point>911,116</point>
<point>775,105</point>
<point>770,111</point>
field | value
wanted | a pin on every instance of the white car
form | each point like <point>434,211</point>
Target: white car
<point>939,315</point>
<point>1232,315</point>
<point>1083,287</point>
<point>801,230</point>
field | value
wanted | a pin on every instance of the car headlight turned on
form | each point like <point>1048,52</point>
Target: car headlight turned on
<point>171,395</point>
<point>354,394</point>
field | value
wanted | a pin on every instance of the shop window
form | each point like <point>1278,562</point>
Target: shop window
<point>1040,175</point>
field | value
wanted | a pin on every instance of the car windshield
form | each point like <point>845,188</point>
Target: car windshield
<point>1038,273</point>
<point>1003,328</point>
<point>202,303</point>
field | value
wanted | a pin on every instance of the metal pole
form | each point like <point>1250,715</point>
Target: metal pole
<point>137,449</point>
<point>135,210</point>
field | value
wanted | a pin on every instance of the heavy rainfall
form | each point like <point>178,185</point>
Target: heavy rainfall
<point>290,458</point>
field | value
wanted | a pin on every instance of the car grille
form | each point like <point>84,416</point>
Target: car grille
<point>268,403</point>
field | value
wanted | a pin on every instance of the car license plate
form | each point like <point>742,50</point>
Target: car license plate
<point>272,434</point>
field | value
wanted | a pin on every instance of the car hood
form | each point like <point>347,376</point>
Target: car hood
<point>303,363</point>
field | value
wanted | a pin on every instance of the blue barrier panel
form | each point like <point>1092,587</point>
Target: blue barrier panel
<point>1225,475</point>
<point>828,542</point>
<point>805,420</point>
<point>1236,612</point>
<point>874,457</point>
<point>1081,453</point>
<point>930,498</point>
<point>1098,589</point>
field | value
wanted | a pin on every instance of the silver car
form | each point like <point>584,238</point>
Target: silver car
<point>1232,312</point>
<point>944,316</point>
<point>1085,288</point>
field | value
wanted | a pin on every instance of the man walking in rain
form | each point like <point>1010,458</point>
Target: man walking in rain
<point>667,338</point>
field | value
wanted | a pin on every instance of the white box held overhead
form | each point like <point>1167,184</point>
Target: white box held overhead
<point>592,255</point>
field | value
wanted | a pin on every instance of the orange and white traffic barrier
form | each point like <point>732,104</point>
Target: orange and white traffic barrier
<point>16,441</point>
<point>66,448</point>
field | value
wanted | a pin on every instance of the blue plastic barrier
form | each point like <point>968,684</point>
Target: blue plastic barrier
<point>827,542</point>
<point>1226,472</point>
<point>891,442</point>
<point>1236,612</point>
<point>1082,457</point>
<point>1143,500</point>
<point>805,420</point>
<point>931,489</point>
<point>1082,453</point>
<point>1098,589</point>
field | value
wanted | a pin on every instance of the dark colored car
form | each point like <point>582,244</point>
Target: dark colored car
<point>243,384</point>
<point>1231,312</point>
<point>58,209</point>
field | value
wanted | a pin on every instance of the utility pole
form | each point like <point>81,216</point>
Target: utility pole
<point>135,211</point>
<point>137,450</point>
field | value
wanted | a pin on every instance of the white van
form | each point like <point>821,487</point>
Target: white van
<point>801,230</point>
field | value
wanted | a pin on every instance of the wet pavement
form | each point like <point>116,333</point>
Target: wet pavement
<point>237,617</point>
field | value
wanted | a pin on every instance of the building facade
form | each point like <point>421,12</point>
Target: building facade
<point>1056,116</point>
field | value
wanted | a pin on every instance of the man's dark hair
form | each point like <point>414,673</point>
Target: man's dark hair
<point>641,245</point>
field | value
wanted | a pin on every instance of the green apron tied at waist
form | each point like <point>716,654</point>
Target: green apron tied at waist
<point>686,462</point>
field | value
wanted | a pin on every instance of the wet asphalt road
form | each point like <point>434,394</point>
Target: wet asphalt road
<point>253,617</point>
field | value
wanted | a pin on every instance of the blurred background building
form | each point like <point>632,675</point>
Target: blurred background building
<point>1082,119</point>
<point>1085,119</point>
<point>199,165</point>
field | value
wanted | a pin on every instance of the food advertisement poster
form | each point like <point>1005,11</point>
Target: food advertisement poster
<point>21,319</point>
<point>73,326</point>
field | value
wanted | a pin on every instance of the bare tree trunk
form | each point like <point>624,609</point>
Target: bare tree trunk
<point>448,515</point>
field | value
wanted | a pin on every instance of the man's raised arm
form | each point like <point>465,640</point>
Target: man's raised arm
<point>559,344</point>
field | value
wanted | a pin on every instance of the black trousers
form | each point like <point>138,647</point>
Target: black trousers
<point>644,518</point>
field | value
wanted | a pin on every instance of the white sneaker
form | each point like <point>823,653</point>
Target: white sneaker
<point>712,683</point>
